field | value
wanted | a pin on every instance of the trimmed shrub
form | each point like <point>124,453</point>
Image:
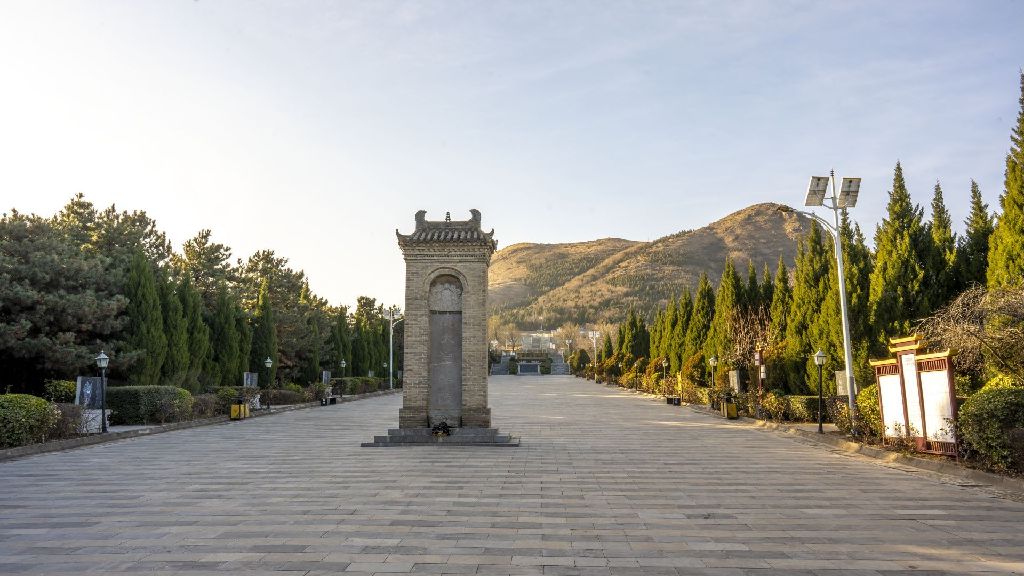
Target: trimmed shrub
<point>60,391</point>
<point>293,387</point>
<point>989,424</point>
<point>690,393</point>
<point>867,409</point>
<point>205,406</point>
<point>25,419</point>
<point>359,385</point>
<point>226,396</point>
<point>774,406</point>
<point>148,404</point>
<point>805,408</point>
<point>315,392</point>
<point>69,423</point>
<point>281,397</point>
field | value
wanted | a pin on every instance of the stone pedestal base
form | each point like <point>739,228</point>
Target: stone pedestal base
<point>417,418</point>
<point>458,437</point>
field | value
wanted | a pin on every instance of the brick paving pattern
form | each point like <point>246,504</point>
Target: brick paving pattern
<point>605,483</point>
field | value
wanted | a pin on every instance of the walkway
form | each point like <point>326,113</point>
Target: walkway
<point>605,483</point>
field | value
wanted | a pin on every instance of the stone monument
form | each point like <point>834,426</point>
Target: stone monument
<point>444,396</point>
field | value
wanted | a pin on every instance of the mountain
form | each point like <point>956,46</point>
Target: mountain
<point>598,281</point>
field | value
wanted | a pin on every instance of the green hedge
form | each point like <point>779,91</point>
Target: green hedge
<point>25,419</point>
<point>282,397</point>
<point>358,385</point>
<point>990,424</point>
<point>148,404</point>
<point>805,409</point>
<point>867,409</point>
<point>60,391</point>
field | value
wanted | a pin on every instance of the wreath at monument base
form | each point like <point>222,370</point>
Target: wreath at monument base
<point>441,429</point>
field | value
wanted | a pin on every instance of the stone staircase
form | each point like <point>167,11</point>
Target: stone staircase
<point>501,368</point>
<point>559,367</point>
<point>458,437</point>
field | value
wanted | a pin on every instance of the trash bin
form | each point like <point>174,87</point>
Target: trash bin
<point>729,407</point>
<point>239,409</point>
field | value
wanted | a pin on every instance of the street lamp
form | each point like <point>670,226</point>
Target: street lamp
<point>819,359</point>
<point>391,345</point>
<point>664,372</point>
<point>343,364</point>
<point>714,364</point>
<point>268,363</point>
<point>845,198</point>
<point>101,362</point>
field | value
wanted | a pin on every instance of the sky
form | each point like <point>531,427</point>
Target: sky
<point>316,129</point>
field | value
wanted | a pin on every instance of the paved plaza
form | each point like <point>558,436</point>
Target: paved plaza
<point>604,483</point>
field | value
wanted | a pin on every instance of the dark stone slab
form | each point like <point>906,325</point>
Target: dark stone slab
<point>458,437</point>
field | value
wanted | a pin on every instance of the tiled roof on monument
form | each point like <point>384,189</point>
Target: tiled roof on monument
<point>448,231</point>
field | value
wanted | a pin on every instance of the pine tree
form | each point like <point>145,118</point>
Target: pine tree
<point>700,319</point>
<point>897,295</point>
<point>311,366</point>
<point>176,362</point>
<point>972,251</point>
<point>782,298</point>
<point>244,330</point>
<point>224,338</point>
<point>805,333</point>
<point>656,327</point>
<point>941,277</point>
<point>677,346</point>
<point>607,349</point>
<point>767,288</point>
<point>669,319</point>
<point>751,293</point>
<point>145,323</point>
<point>857,264</point>
<point>264,337</point>
<point>198,334</point>
<point>1006,245</point>
<point>720,340</point>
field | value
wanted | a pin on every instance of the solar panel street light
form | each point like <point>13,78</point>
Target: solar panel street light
<point>848,192</point>
<point>816,191</point>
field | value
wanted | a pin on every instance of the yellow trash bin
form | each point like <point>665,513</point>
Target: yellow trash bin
<point>239,409</point>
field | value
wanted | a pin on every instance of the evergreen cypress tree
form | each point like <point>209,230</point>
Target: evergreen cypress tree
<point>656,333</point>
<point>224,338</point>
<point>620,340</point>
<point>720,340</point>
<point>700,319</point>
<point>264,337</point>
<point>897,296</point>
<point>751,294</point>
<point>311,366</point>
<point>176,363</point>
<point>857,264</point>
<point>972,252</point>
<point>805,333</point>
<point>767,289</point>
<point>1006,245</point>
<point>676,347</point>
<point>941,276</point>
<point>244,329</point>
<point>145,322</point>
<point>198,334</point>
<point>607,349</point>
<point>782,298</point>
<point>669,319</point>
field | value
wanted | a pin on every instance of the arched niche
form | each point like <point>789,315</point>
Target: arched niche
<point>445,361</point>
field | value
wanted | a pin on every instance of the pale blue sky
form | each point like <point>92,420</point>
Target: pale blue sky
<point>317,128</point>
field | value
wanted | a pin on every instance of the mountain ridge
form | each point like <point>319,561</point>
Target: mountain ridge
<point>599,280</point>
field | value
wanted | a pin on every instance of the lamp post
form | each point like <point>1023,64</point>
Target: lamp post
<point>713,361</point>
<point>759,362</point>
<point>270,383</point>
<point>845,198</point>
<point>664,374</point>
<point>391,345</point>
<point>101,362</point>
<point>819,359</point>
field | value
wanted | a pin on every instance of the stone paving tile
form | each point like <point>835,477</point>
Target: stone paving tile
<point>605,483</point>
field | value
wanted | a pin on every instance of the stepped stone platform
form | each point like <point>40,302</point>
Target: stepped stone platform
<point>458,437</point>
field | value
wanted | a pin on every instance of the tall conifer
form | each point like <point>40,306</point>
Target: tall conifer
<point>941,277</point>
<point>721,341</point>
<point>782,298</point>
<point>676,348</point>
<point>198,334</point>
<point>972,253</point>
<point>176,363</point>
<point>700,319</point>
<point>1006,246</point>
<point>145,322</point>
<point>224,338</point>
<point>264,337</point>
<point>805,332</point>
<point>897,296</point>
